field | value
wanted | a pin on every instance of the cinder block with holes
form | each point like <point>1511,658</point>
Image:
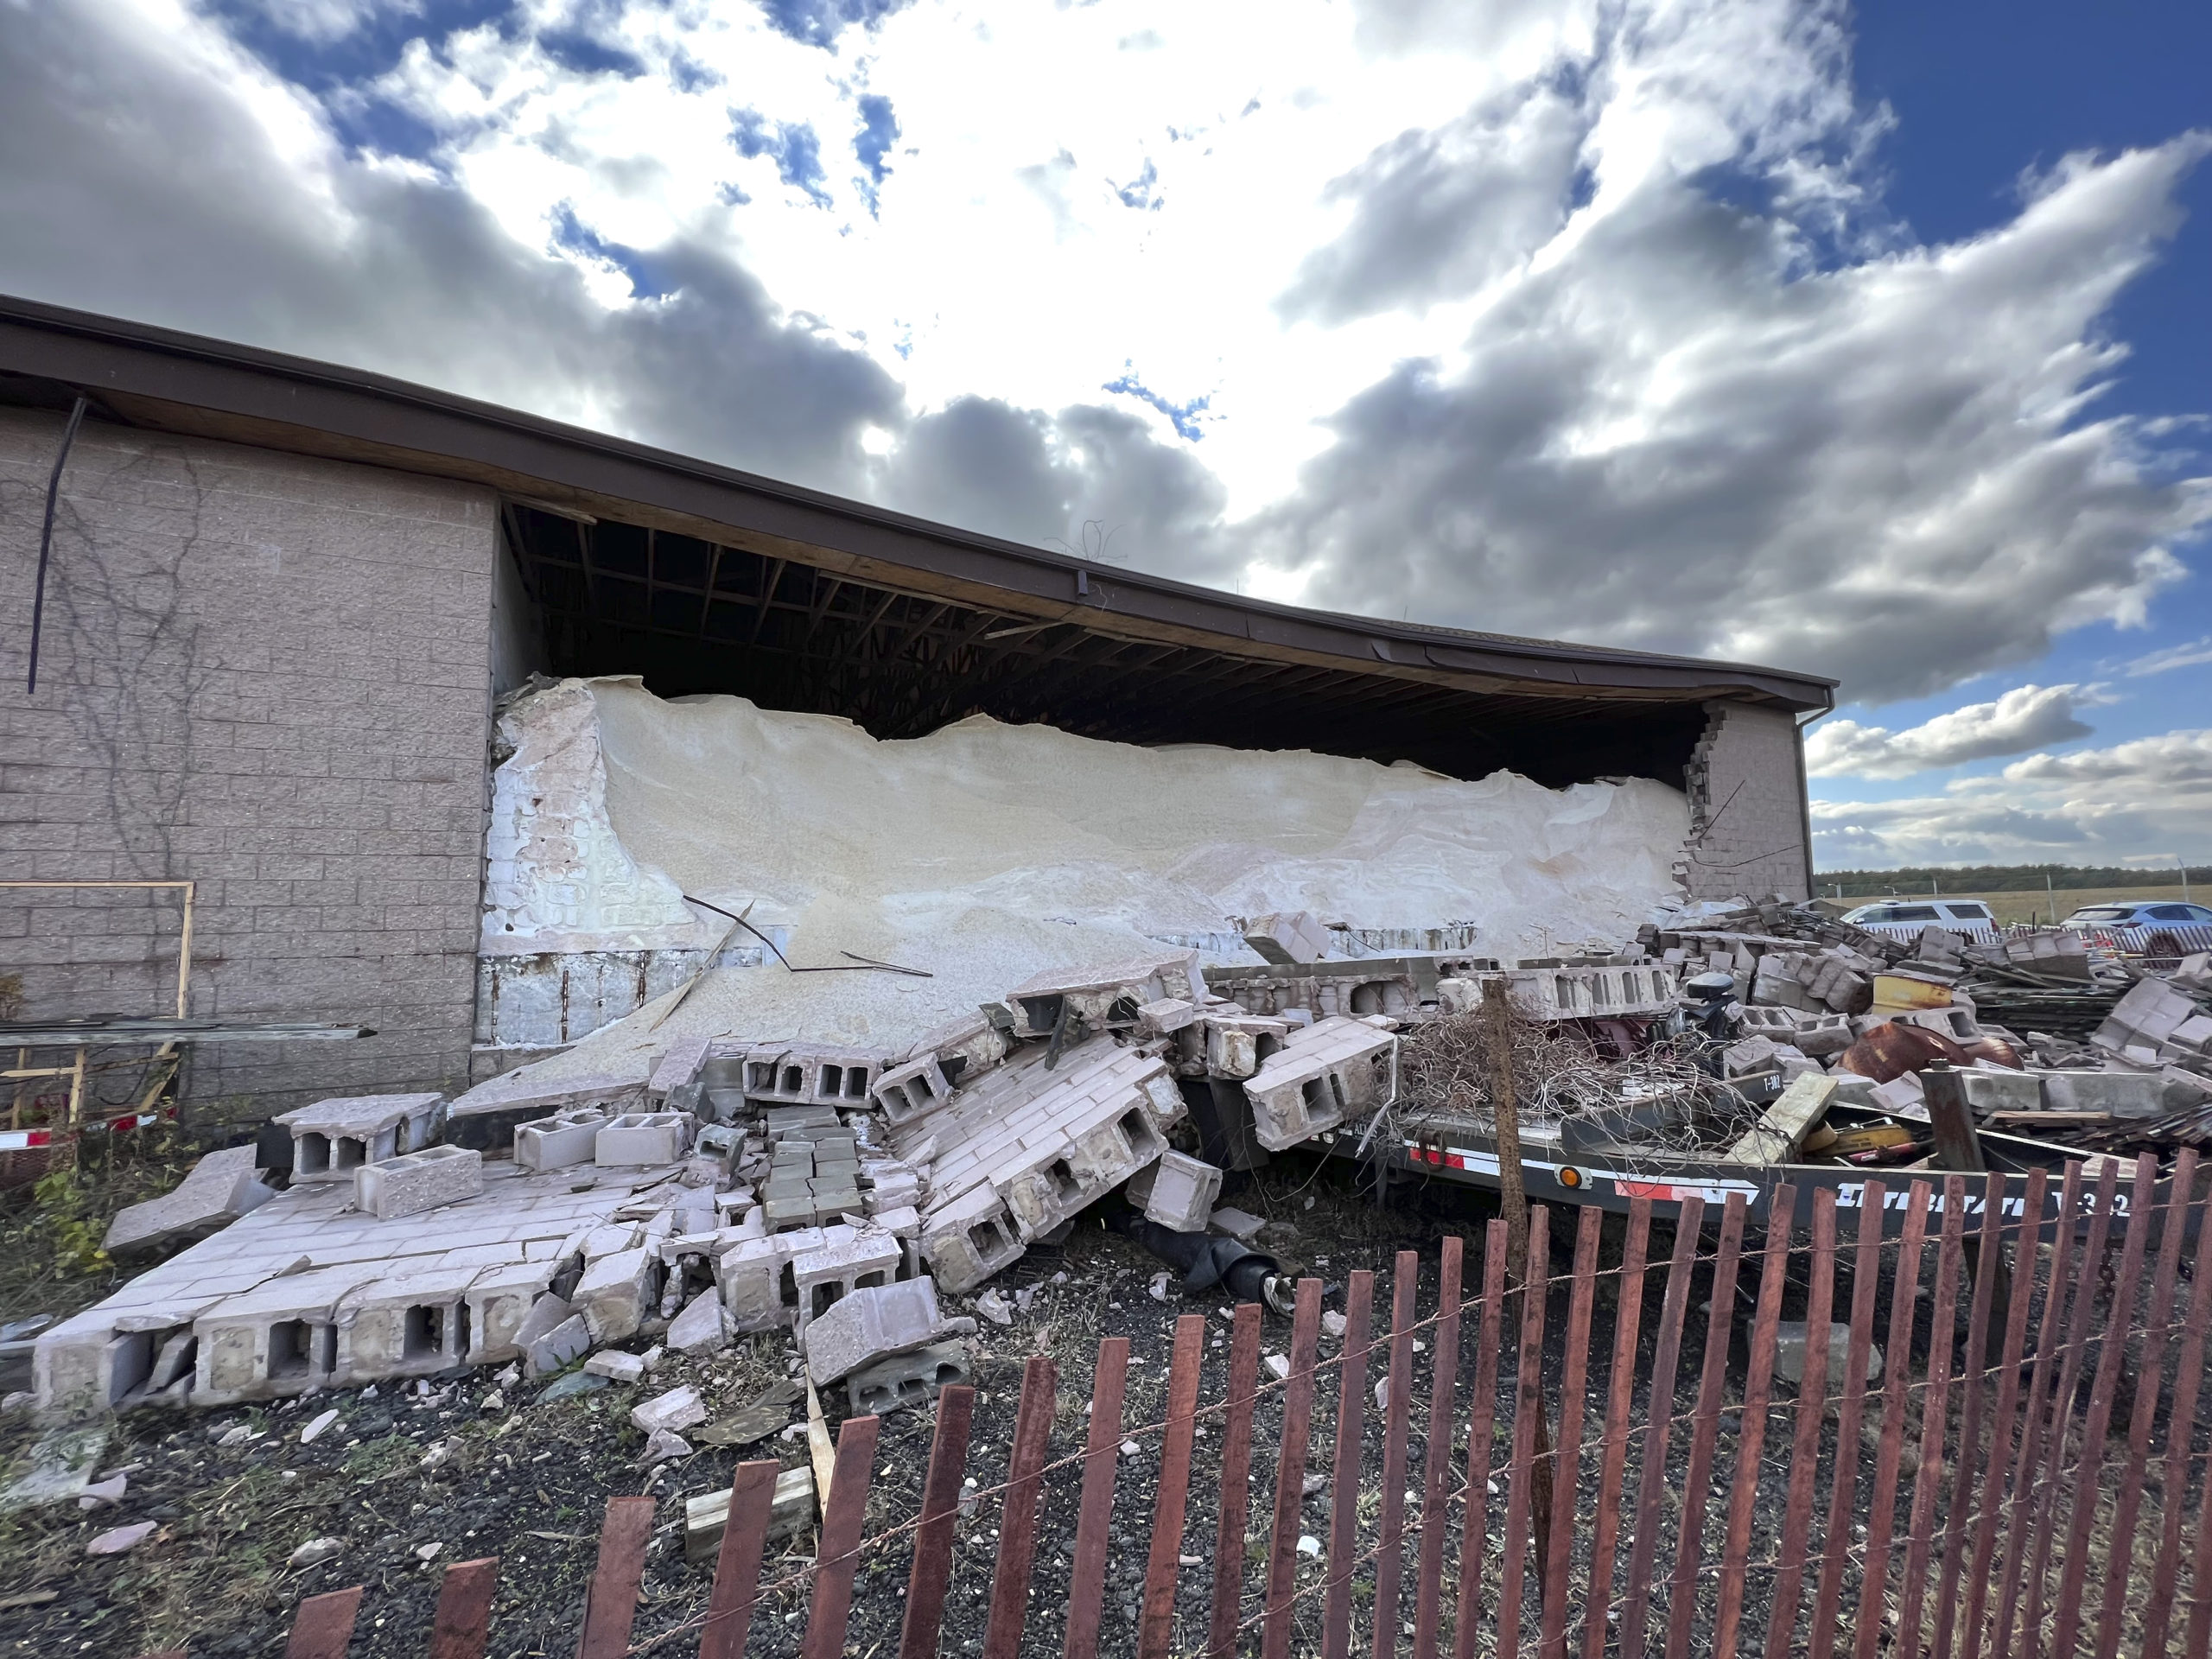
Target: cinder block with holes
<point>562,1140</point>
<point>910,1379</point>
<point>333,1138</point>
<point>848,1261</point>
<point>794,1075</point>
<point>911,1092</point>
<point>970,1238</point>
<point>643,1138</point>
<point>869,1324</point>
<point>1178,1191</point>
<point>418,1181</point>
<point>405,1325</point>
<point>1330,1072</point>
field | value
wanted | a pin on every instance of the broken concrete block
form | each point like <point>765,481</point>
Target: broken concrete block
<point>502,1301</point>
<point>2124,1093</point>
<point>702,1327</point>
<point>911,1092</point>
<point>561,1347</point>
<point>1790,1342</point>
<point>968,1239</point>
<point>1177,1191</point>
<point>791,1510</point>
<point>1091,1133</point>
<point>1289,937</point>
<point>561,1140</point>
<point>617,1291</point>
<point>681,1064</point>
<point>416,1181</point>
<point>404,1325</point>
<point>907,1379</point>
<point>1240,1224</point>
<point>641,1137</point>
<point>867,1325</point>
<point>1325,1075</point>
<point>333,1138</point>
<point>803,1075</point>
<point>676,1411</point>
<point>547,1312</point>
<point>1999,1091</point>
<point>1099,998</point>
<point>221,1187</point>
<point>615,1366</point>
<point>1237,1045</point>
<point>848,1262</point>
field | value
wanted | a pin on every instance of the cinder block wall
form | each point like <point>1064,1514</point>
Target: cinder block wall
<point>269,674</point>
<point>1746,784</point>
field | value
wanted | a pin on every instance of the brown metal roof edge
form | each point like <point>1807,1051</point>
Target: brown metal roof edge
<point>157,375</point>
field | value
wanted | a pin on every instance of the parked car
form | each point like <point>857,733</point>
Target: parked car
<point>1903,918</point>
<point>2095,918</point>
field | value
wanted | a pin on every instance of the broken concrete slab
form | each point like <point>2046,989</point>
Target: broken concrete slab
<point>1178,1191</point>
<point>558,1349</point>
<point>1289,937</point>
<point>869,1324</point>
<point>219,1188</point>
<point>333,1138</point>
<point>416,1181</point>
<point>59,1464</point>
<point>702,1327</point>
<point>676,1411</point>
<point>1321,1077</point>
<point>617,1291</point>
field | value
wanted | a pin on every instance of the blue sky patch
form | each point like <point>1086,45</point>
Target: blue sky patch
<point>1183,417</point>
<point>819,22</point>
<point>792,144</point>
<point>1138,192</point>
<point>646,282</point>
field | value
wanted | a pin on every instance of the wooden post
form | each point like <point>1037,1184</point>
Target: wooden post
<point>1958,1145</point>
<point>819,1450</point>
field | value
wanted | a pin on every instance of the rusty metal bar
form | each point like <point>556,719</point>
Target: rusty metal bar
<point>1835,1537</point>
<point>1235,1483</point>
<point>1436,1454</point>
<point>2120,1314</point>
<point>932,1573</point>
<point>1527,1409</point>
<point>1697,1481</point>
<point>610,1600</point>
<point>2181,1422</point>
<point>1935,1414</point>
<point>1290,1472</point>
<point>1017,1557</point>
<point>737,1564</point>
<point>1644,1552</point>
<point>1627,1316</point>
<point>1170,1506</point>
<point>1481,1440</point>
<point>1805,1444</point>
<point>462,1622</point>
<point>1405,1286</point>
<point>1572,1387</point>
<point>1101,1456</point>
<point>1344,1489</point>
<point>1987,1265</point>
<point>1751,1438</point>
<point>1896,1388</point>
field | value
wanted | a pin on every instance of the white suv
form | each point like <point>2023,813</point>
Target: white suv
<point>1903,918</point>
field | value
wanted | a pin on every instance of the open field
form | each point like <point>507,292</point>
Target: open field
<point>2034,905</point>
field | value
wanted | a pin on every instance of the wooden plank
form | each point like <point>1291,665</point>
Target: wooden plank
<point>1528,1411</point>
<point>462,1622</point>
<point>2020,1512</point>
<point>323,1628</point>
<point>1697,1480</point>
<point>2120,1313</point>
<point>737,1563</point>
<point>2149,1376</point>
<point>1805,1445</point>
<point>1935,1417</point>
<point>1235,1483</point>
<point>1344,1478</point>
<point>1481,1442</point>
<point>1973,1378</point>
<point>1017,1557</point>
<point>1621,1397</point>
<point>1390,1545</point>
<point>1835,1537</point>
<point>2181,1420</point>
<point>1751,1439</point>
<point>1436,1454</point>
<point>611,1599</point>
<point>1157,1622</point>
<point>1888,1454</point>
<point>1573,1386</point>
<point>932,1573</point>
<point>2026,1254</point>
<point>1290,1472</point>
<point>818,1449</point>
<point>837,1553</point>
<point>1779,1135</point>
<point>1643,1553</point>
<point>1102,1458</point>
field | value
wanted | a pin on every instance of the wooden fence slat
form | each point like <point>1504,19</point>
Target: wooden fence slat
<point>2033,1620</point>
<point>1836,1536</point>
<point>1620,1381</point>
<point>2020,1510</point>
<point>1235,1483</point>
<point>2118,1567</point>
<point>2120,1313</point>
<point>1805,1444</point>
<point>1527,1409</point>
<point>836,1557</point>
<point>1157,1620</point>
<point>1344,1474</point>
<point>1697,1482</point>
<point>1574,1386</point>
<point>1987,1265</point>
<point>462,1622</point>
<point>930,1576</point>
<point>611,1598</point>
<point>2027,1259</point>
<point>1673,1313</point>
<point>1482,1426</point>
<point>1436,1454</point>
<point>1405,1288</point>
<point>323,1628</point>
<point>2181,1420</point>
<point>1751,1437</point>
<point>1102,1458</point>
<point>1290,1472</point>
<point>1897,1388</point>
<point>1935,1415</point>
<point>737,1563</point>
<point>1017,1555</point>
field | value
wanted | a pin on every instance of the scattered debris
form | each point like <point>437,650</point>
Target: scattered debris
<point>121,1538</point>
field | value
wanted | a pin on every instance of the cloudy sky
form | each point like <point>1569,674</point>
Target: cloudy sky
<point>1851,339</point>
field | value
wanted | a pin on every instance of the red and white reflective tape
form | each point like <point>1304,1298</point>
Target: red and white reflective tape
<point>24,1139</point>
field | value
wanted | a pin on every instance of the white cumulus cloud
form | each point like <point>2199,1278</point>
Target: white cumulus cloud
<point>2027,717</point>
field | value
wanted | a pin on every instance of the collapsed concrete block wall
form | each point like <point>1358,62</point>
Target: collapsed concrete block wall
<point>1747,787</point>
<point>269,675</point>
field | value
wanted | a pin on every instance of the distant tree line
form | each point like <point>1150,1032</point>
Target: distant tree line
<point>1990,878</point>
